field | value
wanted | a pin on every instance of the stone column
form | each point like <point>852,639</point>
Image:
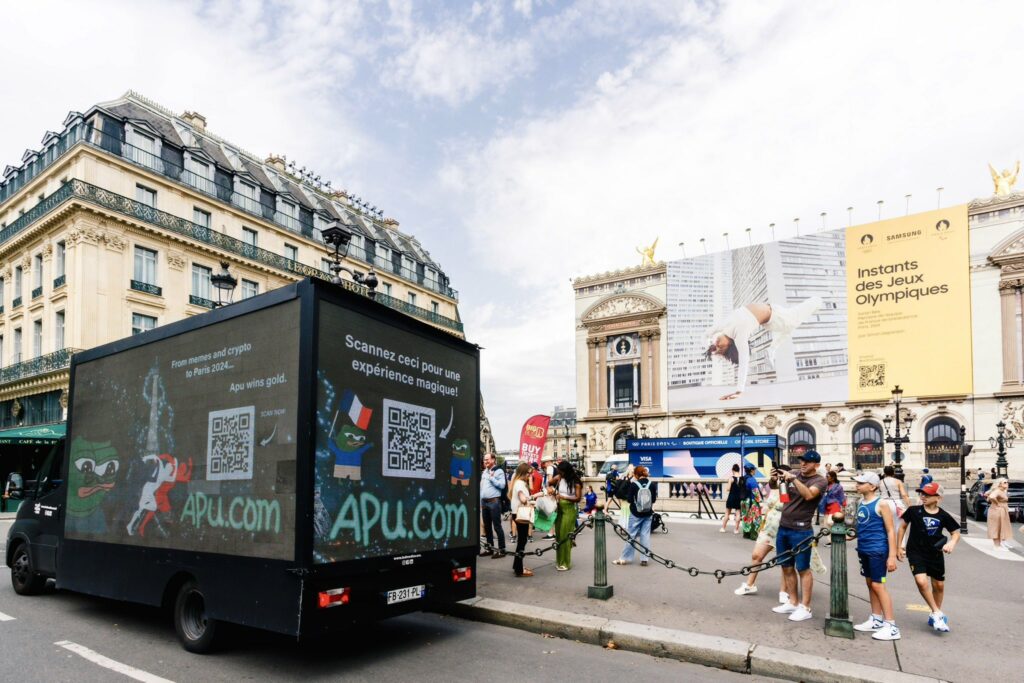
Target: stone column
<point>602,373</point>
<point>1008,297</point>
<point>636,383</point>
<point>593,379</point>
<point>655,368</point>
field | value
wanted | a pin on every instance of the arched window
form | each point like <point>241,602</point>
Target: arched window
<point>620,440</point>
<point>801,439</point>
<point>741,430</point>
<point>688,431</point>
<point>942,442</point>
<point>867,445</point>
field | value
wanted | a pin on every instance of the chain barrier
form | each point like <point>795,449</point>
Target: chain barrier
<point>719,574</point>
<point>538,552</point>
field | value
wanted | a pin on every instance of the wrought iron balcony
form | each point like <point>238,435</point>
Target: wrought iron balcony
<point>16,302</point>
<point>87,193</point>
<point>60,281</point>
<point>83,133</point>
<point>58,360</point>
<point>199,301</point>
<point>37,292</point>
<point>147,288</point>
<point>1,309</point>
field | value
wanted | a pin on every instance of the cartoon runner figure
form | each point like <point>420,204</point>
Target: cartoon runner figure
<point>154,492</point>
<point>349,446</point>
<point>462,462</point>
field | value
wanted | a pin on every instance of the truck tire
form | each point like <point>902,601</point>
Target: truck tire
<point>23,576</point>
<point>196,631</point>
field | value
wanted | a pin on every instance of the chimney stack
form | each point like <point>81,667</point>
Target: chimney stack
<point>196,120</point>
<point>277,162</point>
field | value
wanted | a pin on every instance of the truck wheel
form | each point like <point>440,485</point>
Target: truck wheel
<point>196,631</point>
<point>23,577</point>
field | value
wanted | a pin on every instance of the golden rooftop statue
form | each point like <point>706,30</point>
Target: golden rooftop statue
<point>648,253</point>
<point>1004,181</point>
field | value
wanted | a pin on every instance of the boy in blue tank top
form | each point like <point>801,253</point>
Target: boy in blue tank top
<point>876,550</point>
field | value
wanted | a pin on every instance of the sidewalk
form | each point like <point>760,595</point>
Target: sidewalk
<point>984,599</point>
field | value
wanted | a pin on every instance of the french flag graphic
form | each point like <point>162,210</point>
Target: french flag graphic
<point>357,412</point>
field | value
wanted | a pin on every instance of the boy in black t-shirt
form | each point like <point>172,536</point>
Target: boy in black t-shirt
<point>925,548</point>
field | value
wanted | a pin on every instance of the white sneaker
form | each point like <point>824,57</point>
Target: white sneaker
<point>872,624</point>
<point>801,613</point>
<point>887,632</point>
<point>745,589</point>
<point>783,597</point>
<point>784,608</point>
<point>722,530</point>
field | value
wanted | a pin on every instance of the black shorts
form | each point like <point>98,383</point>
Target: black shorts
<point>932,564</point>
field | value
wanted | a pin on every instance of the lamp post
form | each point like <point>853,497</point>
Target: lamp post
<point>636,417</point>
<point>1001,443</point>
<point>340,237</point>
<point>965,450</point>
<point>224,284</point>
<point>898,437</point>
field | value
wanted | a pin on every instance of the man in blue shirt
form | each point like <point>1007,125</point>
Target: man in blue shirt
<point>492,487</point>
<point>925,478</point>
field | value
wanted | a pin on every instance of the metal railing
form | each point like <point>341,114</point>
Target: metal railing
<point>16,302</point>
<point>146,287</point>
<point>60,281</point>
<point>86,192</point>
<point>37,292</point>
<point>58,360</point>
<point>95,138</point>
<point>200,301</point>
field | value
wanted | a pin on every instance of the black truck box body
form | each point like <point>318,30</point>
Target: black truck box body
<point>304,440</point>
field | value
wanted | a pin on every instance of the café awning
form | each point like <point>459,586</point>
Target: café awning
<point>33,436</point>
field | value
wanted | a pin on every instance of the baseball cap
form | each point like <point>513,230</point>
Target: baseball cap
<point>749,466</point>
<point>867,478</point>
<point>932,489</point>
<point>810,456</point>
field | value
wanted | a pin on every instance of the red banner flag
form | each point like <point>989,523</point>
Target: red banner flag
<point>531,443</point>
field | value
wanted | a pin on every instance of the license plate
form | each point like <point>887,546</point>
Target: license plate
<point>406,594</point>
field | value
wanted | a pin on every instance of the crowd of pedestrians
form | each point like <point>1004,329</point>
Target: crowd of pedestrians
<point>778,515</point>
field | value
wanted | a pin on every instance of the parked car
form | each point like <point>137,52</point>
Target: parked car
<point>977,504</point>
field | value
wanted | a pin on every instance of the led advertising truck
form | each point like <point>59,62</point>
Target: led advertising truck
<point>294,461</point>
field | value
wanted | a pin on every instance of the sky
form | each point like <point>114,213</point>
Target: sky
<point>530,142</point>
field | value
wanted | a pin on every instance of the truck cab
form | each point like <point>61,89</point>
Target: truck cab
<point>33,539</point>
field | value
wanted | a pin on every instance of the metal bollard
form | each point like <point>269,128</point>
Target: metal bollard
<point>838,623</point>
<point>600,590</point>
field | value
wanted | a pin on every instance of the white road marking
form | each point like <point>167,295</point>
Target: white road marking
<point>106,662</point>
<point>985,546</point>
<point>6,617</point>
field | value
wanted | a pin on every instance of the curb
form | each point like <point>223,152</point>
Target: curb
<point>698,648</point>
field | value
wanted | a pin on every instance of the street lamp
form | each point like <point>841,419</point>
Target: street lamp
<point>965,450</point>
<point>340,237</point>
<point>898,437</point>
<point>636,416</point>
<point>224,284</point>
<point>1001,442</point>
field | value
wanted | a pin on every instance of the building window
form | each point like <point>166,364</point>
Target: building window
<point>325,265</point>
<point>250,237</point>
<point>3,293</point>
<point>387,288</point>
<point>289,209</point>
<point>412,298</point>
<point>250,289</point>
<point>200,217</point>
<point>58,331</point>
<point>1,349</point>
<point>37,338</point>
<point>291,252</point>
<point>146,196</point>
<point>59,257</point>
<point>741,430</point>
<point>801,439</point>
<point>867,445</point>
<point>620,441</point>
<point>688,431</point>
<point>145,265</point>
<point>37,271</point>
<point>17,346</point>
<point>201,281</point>
<point>17,282</point>
<point>435,308</point>
<point>142,323</point>
<point>942,442</point>
<point>248,191</point>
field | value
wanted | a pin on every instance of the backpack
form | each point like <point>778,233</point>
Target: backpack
<point>622,488</point>
<point>644,500</point>
<point>610,481</point>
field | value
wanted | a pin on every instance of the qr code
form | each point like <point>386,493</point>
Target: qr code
<point>872,375</point>
<point>229,443</point>
<point>408,440</point>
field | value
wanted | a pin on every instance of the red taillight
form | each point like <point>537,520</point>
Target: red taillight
<point>462,574</point>
<point>334,597</point>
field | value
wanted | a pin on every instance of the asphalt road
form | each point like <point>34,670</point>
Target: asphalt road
<point>43,639</point>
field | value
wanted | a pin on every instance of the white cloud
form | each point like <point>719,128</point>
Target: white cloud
<point>457,61</point>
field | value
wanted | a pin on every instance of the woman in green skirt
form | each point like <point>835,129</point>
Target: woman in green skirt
<point>568,488</point>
